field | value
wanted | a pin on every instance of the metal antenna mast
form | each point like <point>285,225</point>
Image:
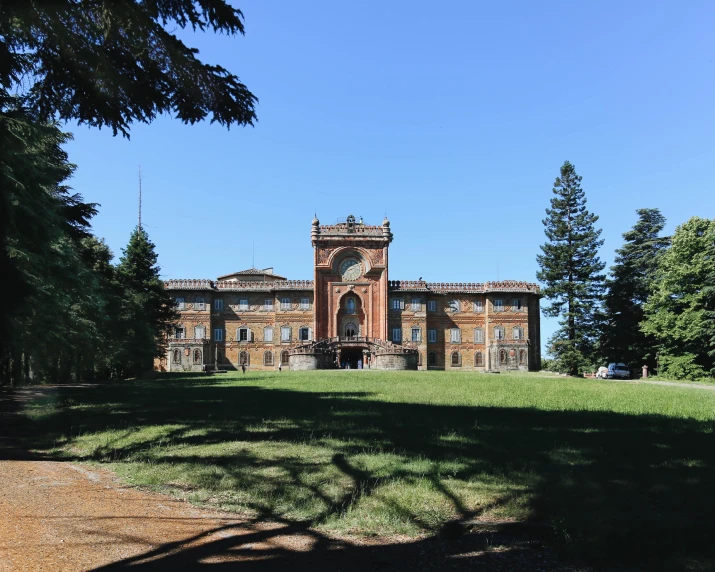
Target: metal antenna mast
<point>140,197</point>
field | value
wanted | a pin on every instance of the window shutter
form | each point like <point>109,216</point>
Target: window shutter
<point>310,334</point>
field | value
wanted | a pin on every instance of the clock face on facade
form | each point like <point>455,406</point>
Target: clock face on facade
<point>350,269</point>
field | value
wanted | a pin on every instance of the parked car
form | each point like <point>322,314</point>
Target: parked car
<point>601,373</point>
<point>618,371</point>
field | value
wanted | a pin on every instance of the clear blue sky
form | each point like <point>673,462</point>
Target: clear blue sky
<point>453,118</point>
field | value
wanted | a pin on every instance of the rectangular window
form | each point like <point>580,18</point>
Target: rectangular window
<point>243,335</point>
<point>305,303</point>
<point>416,305</point>
<point>454,306</point>
<point>179,333</point>
<point>268,305</point>
<point>199,303</point>
<point>516,304</point>
<point>268,335</point>
<point>416,335</point>
<point>396,335</point>
<point>199,332</point>
<point>516,333</point>
<point>456,335</point>
<point>304,334</point>
<point>498,305</point>
<point>398,304</point>
<point>243,305</point>
<point>285,333</point>
<point>478,336</point>
<point>218,304</point>
<point>432,305</point>
<point>432,336</point>
<point>285,303</point>
<point>478,306</point>
<point>218,335</point>
<point>180,304</point>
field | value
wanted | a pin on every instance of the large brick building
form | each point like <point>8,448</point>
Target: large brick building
<point>352,313</point>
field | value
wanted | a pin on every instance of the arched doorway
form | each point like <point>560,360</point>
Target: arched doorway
<point>351,330</point>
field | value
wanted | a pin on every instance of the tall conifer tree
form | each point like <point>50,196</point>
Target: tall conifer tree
<point>630,284</point>
<point>571,272</point>
<point>147,310</point>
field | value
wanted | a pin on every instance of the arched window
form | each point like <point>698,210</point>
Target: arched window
<point>522,357</point>
<point>478,359</point>
<point>498,333</point>
<point>456,359</point>
<point>284,357</point>
<point>177,356</point>
<point>351,330</point>
<point>197,356</point>
<point>478,336</point>
<point>516,333</point>
<point>502,357</point>
<point>244,358</point>
<point>268,357</point>
<point>199,332</point>
<point>431,358</point>
<point>350,306</point>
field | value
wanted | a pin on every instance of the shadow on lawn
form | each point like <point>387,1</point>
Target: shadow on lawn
<point>619,490</point>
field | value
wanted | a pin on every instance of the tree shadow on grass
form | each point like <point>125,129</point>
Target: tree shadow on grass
<point>619,491</point>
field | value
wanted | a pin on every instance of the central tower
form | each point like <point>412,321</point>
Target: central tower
<point>350,279</point>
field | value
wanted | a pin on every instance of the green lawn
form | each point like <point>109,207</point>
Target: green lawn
<point>623,472</point>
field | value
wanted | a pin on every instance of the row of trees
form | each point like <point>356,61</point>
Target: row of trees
<point>69,312</point>
<point>656,307</point>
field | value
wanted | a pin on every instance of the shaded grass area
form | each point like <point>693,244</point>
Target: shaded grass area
<point>623,473</point>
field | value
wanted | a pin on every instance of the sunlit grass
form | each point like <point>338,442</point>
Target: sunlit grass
<point>611,466</point>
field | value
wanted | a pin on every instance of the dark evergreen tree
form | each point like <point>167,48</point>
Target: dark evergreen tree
<point>630,284</point>
<point>147,310</point>
<point>571,272</point>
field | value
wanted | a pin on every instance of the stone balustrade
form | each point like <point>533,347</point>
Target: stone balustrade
<point>466,287</point>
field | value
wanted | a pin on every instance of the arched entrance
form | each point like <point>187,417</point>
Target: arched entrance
<point>349,357</point>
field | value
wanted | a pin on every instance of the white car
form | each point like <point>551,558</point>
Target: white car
<point>602,373</point>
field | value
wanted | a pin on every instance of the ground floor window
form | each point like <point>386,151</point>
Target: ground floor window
<point>522,357</point>
<point>197,357</point>
<point>502,357</point>
<point>456,359</point>
<point>478,359</point>
<point>268,358</point>
<point>431,358</point>
<point>177,356</point>
<point>244,358</point>
<point>284,357</point>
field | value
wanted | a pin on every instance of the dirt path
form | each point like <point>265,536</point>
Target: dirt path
<point>58,516</point>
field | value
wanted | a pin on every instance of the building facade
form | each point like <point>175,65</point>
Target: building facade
<point>352,314</point>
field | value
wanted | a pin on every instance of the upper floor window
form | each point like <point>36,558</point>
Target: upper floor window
<point>398,304</point>
<point>218,335</point>
<point>416,305</point>
<point>285,303</point>
<point>455,335</point>
<point>180,303</point>
<point>498,305</point>
<point>350,305</point>
<point>268,334</point>
<point>199,332</point>
<point>268,305</point>
<point>416,334</point>
<point>396,335</point>
<point>478,306</point>
<point>285,333</point>
<point>179,333</point>
<point>498,333</point>
<point>432,336</point>
<point>431,305</point>
<point>454,306</point>
<point>243,335</point>
<point>478,336</point>
<point>305,303</point>
<point>200,303</point>
<point>516,304</point>
<point>243,304</point>
<point>516,333</point>
<point>218,304</point>
<point>304,334</point>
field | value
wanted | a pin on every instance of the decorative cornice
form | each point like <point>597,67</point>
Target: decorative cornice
<point>238,285</point>
<point>463,287</point>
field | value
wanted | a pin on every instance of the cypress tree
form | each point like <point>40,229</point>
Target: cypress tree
<point>571,272</point>
<point>630,284</point>
<point>147,310</point>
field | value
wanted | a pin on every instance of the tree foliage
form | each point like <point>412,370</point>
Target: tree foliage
<point>570,270</point>
<point>679,312</point>
<point>629,286</point>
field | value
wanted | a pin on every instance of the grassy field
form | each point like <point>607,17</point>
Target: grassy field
<point>623,472</point>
